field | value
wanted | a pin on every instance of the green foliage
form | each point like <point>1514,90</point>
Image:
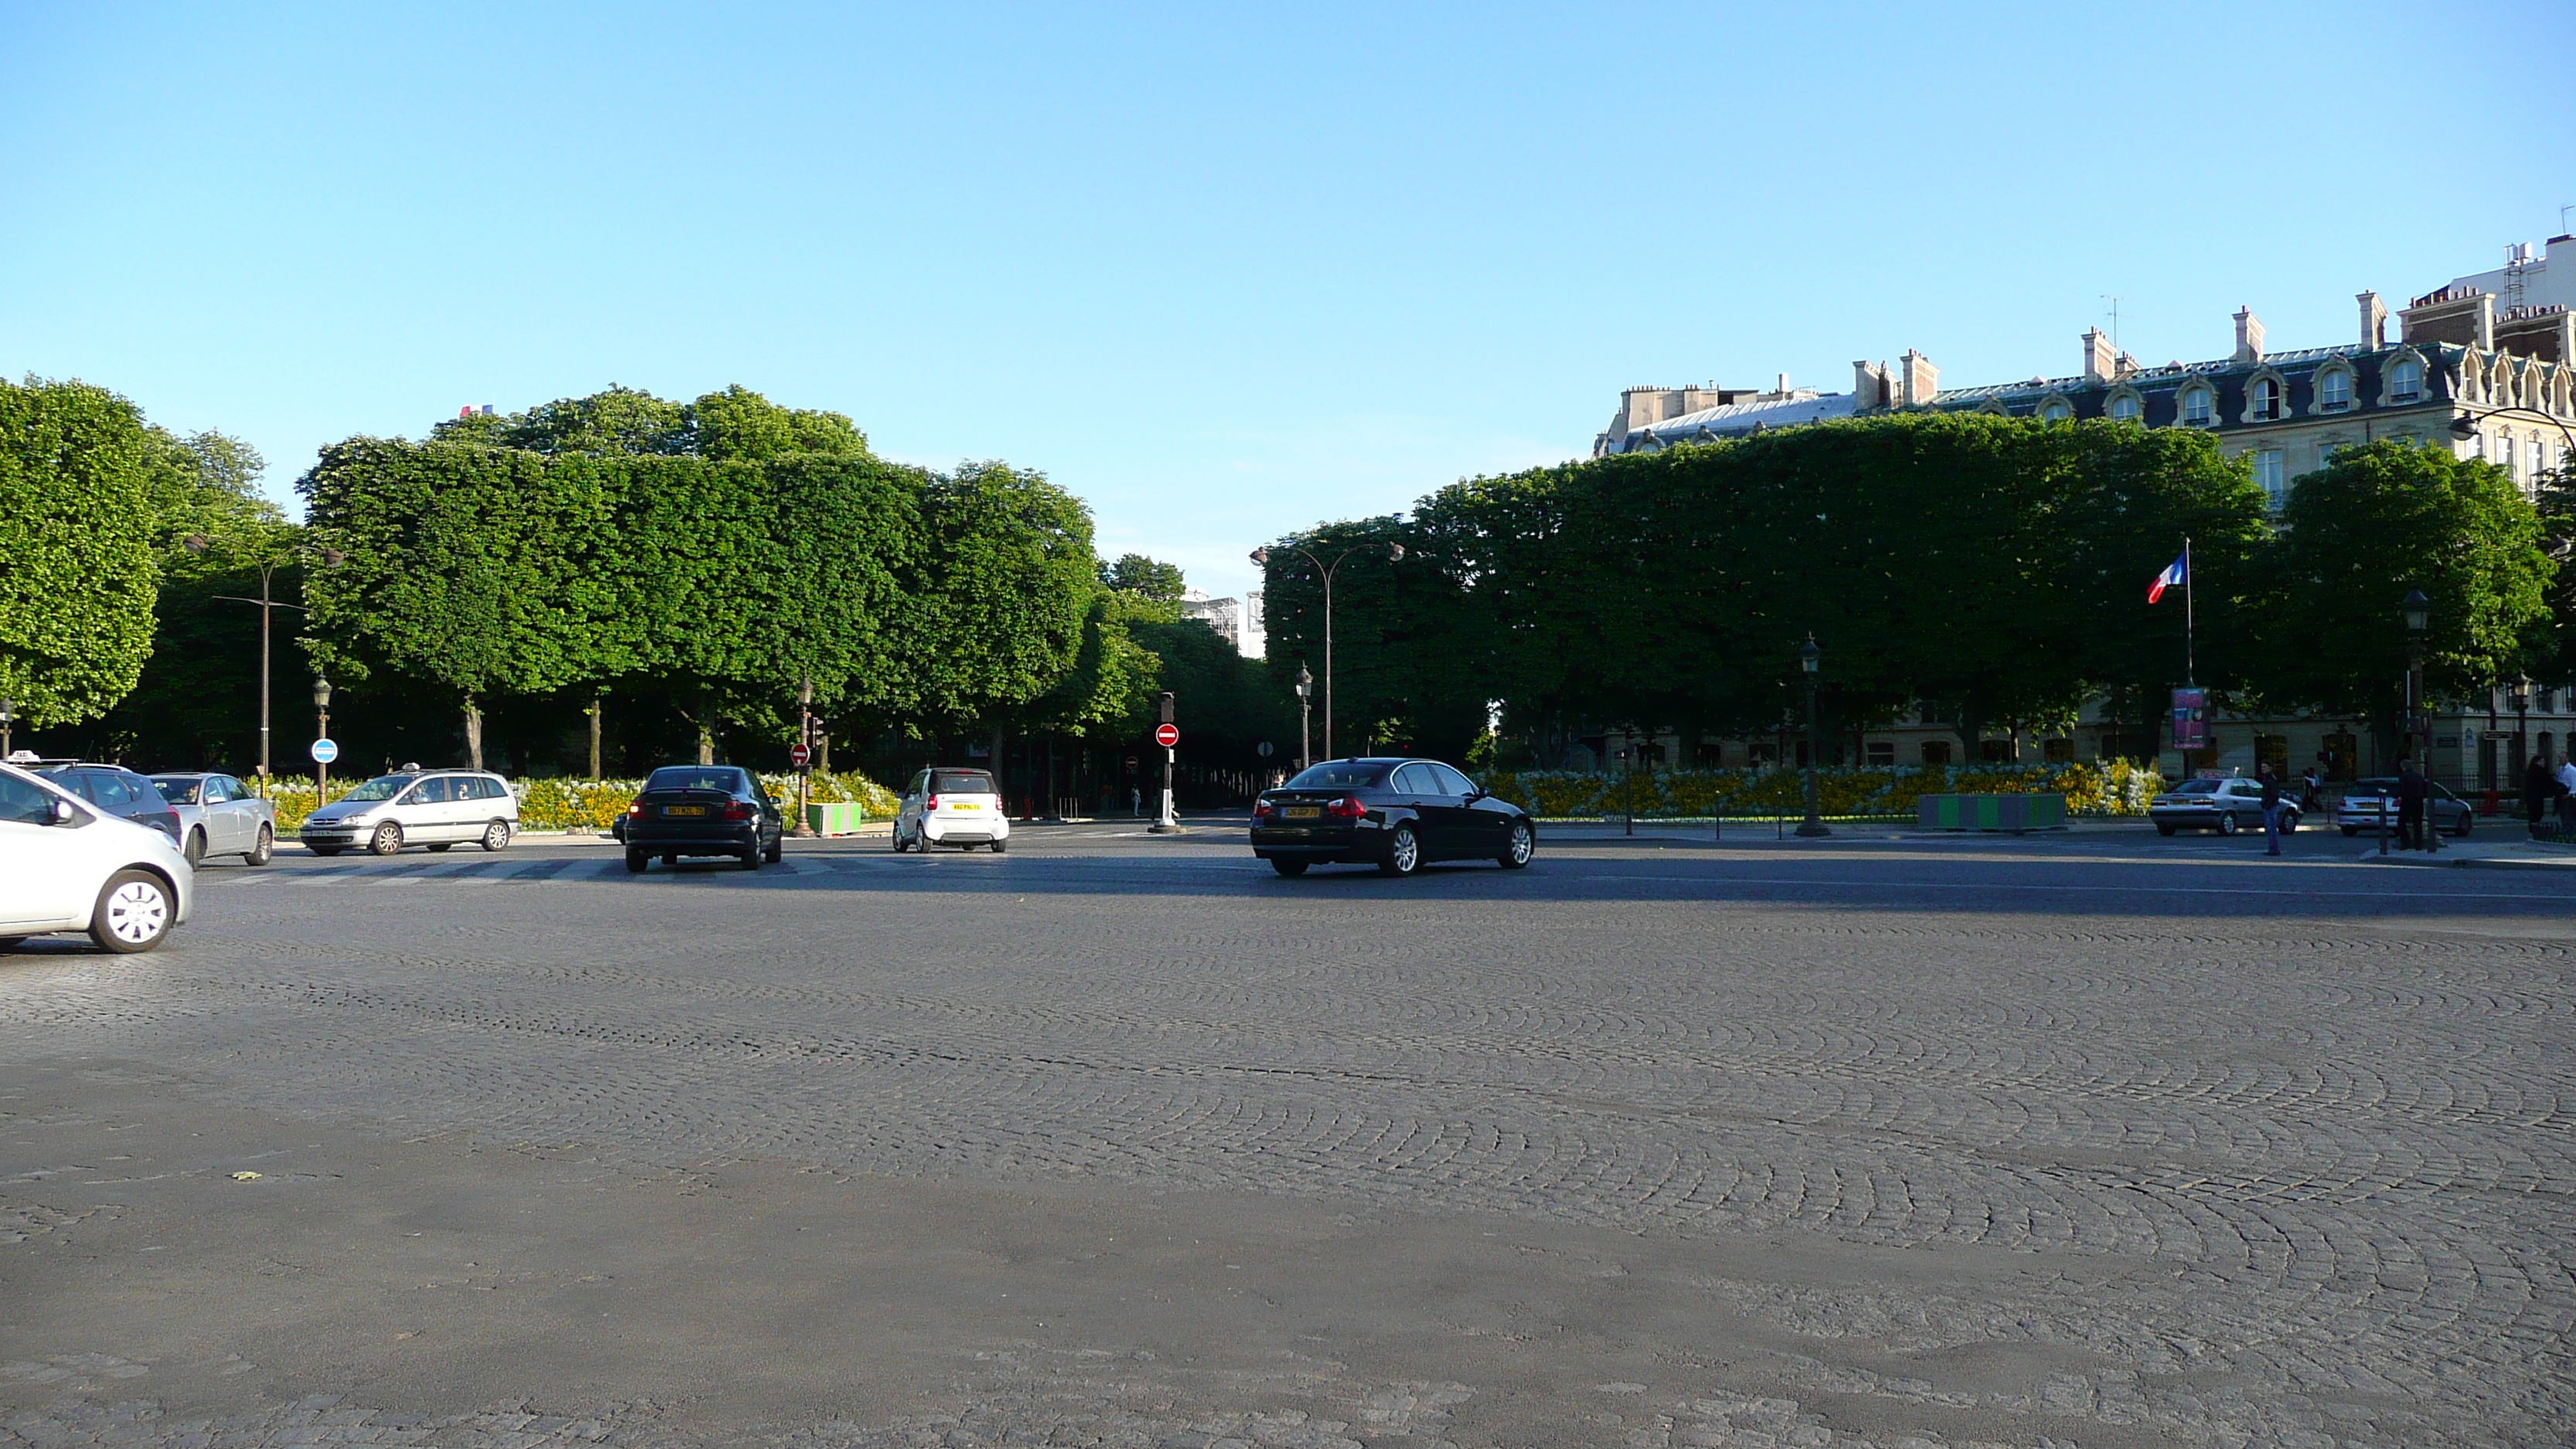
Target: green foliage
<point>77,572</point>
<point>2357,535</point>
<point>1144,577</point>
<point>1001,595</point>
<point>2095,788</point>
<point>736,423</point>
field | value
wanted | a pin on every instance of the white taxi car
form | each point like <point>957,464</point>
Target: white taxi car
<point>67,865</point>
<point>962,808</point>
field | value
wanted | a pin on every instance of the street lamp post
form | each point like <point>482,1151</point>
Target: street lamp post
<point>2518,694</point>
<point>8,718</point>
<point>321,731</point>
<point>1261,558</point>
<point>1809,657</point>
<point>2418,613</point>
<point>805,772</point>
<point>198,543</point>
<point>1305,720</point>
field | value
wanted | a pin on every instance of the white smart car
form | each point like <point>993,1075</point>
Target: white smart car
<point>962,808</point>
<point>67,865</point>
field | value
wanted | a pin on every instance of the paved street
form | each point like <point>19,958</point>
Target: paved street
<point>2098,1140</point>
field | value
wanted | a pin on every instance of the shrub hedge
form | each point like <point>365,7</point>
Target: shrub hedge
<point>2097,788</point>
<point>574,804</point>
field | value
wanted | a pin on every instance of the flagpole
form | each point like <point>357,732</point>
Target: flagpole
<point>2190,670</point>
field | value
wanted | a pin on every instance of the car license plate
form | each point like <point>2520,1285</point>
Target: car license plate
<point>1305,812</point>
<point>684,810</point>
<point>962,806</point>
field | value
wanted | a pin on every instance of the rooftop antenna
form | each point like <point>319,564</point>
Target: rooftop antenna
<point>2115,320</point>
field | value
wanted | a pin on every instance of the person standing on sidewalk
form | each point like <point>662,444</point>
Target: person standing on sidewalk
<point>2567,794</point>
<point>2539,782</point>
<point>2271,809</point>
<point>2412,792</point>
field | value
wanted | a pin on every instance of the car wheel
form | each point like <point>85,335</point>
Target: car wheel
<point>777,850</point>
<point>1523,844</point>
<point>2466,819</point>
<point>439,847</point>
<point>637,861</point>
<point>2164,829</point>
<point>387,839</point>
<point>1403,853</point>
<point>2289,822</point>
<point>2227,823</point>
<point>895,839</point>
<point>134,912</point>
<point>751,856</point>
<point>11,943</point>
<point>2352,830</point>
<point>265,849</point>
<point>673,859</point>
<point>496,836</point>
<point>1000,845</point>
<point>1285,866</point>
<point>195,850</point>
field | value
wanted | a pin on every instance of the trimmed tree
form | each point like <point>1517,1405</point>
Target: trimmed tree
<point>77,573</point>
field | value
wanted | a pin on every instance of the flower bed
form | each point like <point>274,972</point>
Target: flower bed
<point>576,804</point>
<point>2094,788</point>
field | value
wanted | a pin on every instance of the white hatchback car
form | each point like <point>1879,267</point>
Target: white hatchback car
<point>433,808</point>
<point>952,807</point>
<point>66,865</point>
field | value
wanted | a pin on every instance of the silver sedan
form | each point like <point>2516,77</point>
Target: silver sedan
<point>2372,805</point>
<point>219,815</point>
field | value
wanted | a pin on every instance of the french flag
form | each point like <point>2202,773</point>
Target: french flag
<point>2171,578</point>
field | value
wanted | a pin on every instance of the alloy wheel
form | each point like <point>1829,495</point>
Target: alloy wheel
<point>1403,852</point>
<point>1524,843</point>
<point>133,913</point>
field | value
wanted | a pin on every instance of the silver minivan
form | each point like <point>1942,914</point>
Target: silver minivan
<point>434,809</point>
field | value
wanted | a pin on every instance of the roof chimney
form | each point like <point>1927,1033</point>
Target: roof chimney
<point>2098,363</point>
<point>1922,379</point>
<point>2374,321</point>
<point>1871,389</point>
<point>2249,336</point>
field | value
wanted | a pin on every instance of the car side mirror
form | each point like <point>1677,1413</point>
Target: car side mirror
<point>63,813</point>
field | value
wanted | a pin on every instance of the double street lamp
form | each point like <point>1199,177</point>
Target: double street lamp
<point>1305,720</point>
<point>1261,558</point>
<point>321,731</point>
<point>2417,610</point>
<point>1809,658</point>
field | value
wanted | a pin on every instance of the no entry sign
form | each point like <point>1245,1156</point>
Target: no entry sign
<point>1167,735</point>
<point>797,755</point>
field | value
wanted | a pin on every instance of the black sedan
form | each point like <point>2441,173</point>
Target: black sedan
<point>702,810</point>
<point>1394,814</point>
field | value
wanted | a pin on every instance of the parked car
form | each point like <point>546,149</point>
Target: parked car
<point>219,815</point>
<point>437,809</point>
<point>67,864</point>
<point>2367,804</point>
<point>116,790</point>
<point>955,807</point>
<point>1395,814</point>
<point>703,810</point>
<point>2225,806</point>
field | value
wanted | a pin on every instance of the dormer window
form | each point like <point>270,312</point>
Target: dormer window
<point>2198,407</point>
<point>2405,381</point>
<point>2264,399</point>
<point>2056,410</point>
<point>2125,408</point>
<point>2334,391</point>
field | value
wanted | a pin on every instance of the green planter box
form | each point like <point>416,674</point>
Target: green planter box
<point>837,819</point>
<point>2015,813</point>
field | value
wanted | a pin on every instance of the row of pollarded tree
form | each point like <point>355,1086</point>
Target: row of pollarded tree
<point>1994,570</point>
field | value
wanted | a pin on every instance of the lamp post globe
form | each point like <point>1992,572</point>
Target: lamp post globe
<point>1810,660</point>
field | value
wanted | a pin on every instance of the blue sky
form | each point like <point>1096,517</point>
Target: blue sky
<point>1222,272</point>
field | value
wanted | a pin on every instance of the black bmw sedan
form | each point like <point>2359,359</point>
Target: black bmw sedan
<point>702,810</point>
<point>1393,814</point>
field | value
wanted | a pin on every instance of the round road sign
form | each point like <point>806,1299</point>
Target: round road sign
<point>325,751</point>
<point>797,755</point>
<point>1167,735</point>
<point>1262,749</point>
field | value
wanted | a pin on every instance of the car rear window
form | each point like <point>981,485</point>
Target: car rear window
<point>698,777</point>
<point>961,782</point>
<point>1340,775</point>
<point>177,792</point>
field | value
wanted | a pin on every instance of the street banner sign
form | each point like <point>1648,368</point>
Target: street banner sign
<point>1167,735</point>
<point>325,751</point>
<point>797,755</point>
<point>2191,719</point>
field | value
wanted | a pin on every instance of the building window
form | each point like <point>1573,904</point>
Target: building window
<point>2334,391</point>
<point>1936,752</point>
<point>2266,397</point>
<point>1882,752</point>
<point>2269,472</point>
<point>2124,408</point>
<point>2539,462</point>
<point>2405,380</point>
<point>2196,411</point>
<point>2057,752</point>
<point>2055,410</point>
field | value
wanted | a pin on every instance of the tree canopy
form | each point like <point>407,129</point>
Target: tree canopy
<point>78,574</point>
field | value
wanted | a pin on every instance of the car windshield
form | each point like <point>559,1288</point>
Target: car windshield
<point>2196,787</point>
<point>177,792</point>
<point>960,782</point>
<point>1340,775</point>
<point>698,777</point>
<point>383,787</point>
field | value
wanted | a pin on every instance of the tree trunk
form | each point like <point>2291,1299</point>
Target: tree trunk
<point>706,741</point>
<point>1972,733</point>
<point>596,704</point>
<point>473,734</point>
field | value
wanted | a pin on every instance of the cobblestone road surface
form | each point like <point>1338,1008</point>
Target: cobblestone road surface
<point>2050,1144</point>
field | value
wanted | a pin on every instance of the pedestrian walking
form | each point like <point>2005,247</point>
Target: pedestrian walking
<point>2567,794</point>
<point>2412,792</point>
<point>2539,783</point>
<point>2271,809</point>
<point>2312,791</point>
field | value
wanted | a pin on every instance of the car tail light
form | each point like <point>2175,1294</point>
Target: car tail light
<point>635,809</point>
<point>930,803</point>
<point>1260,808</point>
<point>1346,808</point>
<point>737,810</point>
